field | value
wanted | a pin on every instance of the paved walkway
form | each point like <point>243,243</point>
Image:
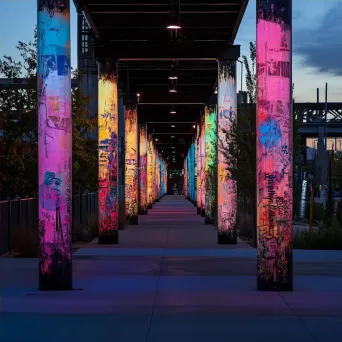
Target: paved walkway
<point>168,280</point>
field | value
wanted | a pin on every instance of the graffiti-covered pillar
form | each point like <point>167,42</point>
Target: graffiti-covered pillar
<point>150,171</point>
<point>227,191</point>
<point>143,197</point>
<point>198,169</point>
<point>202,161</point>
<point>108,153</point>
<point>274,145</point>
<point>54,145</point>
<point>131,136</point>
<point>210,162</point>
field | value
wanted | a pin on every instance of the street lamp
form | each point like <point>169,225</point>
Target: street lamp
<point>241,62</point>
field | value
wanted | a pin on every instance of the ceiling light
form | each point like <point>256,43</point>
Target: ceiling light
<point>156,139</point>
<point>172,147</point>
<point>172,136</point>
<point>174,23</point>
<point>173,90</point>
<point>173,110</point>
<point>173,126</point>
<point>215,92</point>
<point>174,27</point>
<point>194,126</point>
<point>138,95</point>
<point>173,73</point>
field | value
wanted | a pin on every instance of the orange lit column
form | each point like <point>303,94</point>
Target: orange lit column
<point>274,145</point>
<point>143,203</point>
<point>153,174</point>
<point>108,153</point>
<point>227,191</point>
<point>131,136</point>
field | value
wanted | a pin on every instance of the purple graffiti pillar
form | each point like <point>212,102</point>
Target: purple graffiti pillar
<point>274,145</point>
<point>55,145</point>
<point>108,153</point>
<point>227,190</point>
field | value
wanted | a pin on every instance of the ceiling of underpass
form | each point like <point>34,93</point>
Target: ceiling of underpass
<point>135,33</point>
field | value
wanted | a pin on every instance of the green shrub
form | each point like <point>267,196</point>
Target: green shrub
<point>323,237</point>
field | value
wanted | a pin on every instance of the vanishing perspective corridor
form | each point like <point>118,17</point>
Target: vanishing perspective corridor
<point>169,280</point>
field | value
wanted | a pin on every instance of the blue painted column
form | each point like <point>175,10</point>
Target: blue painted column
<point>54,144</point>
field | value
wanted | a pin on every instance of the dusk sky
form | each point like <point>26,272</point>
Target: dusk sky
<point>317,42</point>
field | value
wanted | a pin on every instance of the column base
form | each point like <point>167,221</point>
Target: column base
<point>109,238</point>
<point>226,239</point>
<point>143,211</point>
<point>133,221</point>
<point>150,206</point>
<point>60,277</point>
<point>202,212</point>
<point>263,285</point>
<point>198,211</point>
<point>208,220</point>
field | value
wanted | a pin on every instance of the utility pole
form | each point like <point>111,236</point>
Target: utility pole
<point>326,116</point>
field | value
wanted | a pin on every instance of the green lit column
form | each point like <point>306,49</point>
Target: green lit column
<point>210,161</point>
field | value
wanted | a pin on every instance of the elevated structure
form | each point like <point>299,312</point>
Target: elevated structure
<point>135,35</point>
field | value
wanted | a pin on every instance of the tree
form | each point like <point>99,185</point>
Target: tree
<point>251,72</point>
<point>19,129</point>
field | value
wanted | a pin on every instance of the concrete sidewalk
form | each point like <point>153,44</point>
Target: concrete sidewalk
<point>169,280</point>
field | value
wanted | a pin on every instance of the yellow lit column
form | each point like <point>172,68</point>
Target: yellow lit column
<point>131,136</point>
<point>108,153</point>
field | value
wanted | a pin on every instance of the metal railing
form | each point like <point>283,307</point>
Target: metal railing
<point>19,217</point>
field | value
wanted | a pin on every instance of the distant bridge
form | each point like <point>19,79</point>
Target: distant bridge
<point>311,116</point>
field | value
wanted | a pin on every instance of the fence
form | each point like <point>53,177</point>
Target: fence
<point>19,217</point>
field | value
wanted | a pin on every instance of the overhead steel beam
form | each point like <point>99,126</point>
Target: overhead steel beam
<point>151,51</point>
<point>172,122</point>
<point>239,19</point>
<point>170,103</point>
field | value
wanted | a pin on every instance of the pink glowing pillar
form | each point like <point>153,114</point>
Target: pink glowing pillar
<point>227,190</point>
<point>108,153</point>
<point>54,145</point>
<point>274,145</point>
<point>202,160</point>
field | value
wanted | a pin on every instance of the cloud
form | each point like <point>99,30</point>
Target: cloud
<point>321,44</point>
